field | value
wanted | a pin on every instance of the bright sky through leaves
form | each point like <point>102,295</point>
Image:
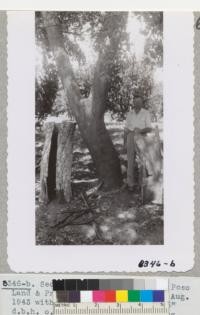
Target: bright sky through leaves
<point>135,27</point>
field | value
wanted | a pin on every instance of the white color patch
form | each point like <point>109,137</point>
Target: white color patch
<point>23,254</point>
<point>86,296</point>
<point>162,284</point>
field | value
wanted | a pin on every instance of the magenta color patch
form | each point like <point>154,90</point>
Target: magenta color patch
<point>98,296</point>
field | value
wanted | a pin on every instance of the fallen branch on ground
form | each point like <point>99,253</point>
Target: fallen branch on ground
<point>94,190</point>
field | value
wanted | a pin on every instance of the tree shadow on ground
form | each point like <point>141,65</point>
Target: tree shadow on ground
<point>115,217</point>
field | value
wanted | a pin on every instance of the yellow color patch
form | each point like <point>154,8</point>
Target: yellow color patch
<point>121,296</point>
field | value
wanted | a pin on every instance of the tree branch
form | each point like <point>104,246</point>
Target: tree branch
<point>102,73</point>
<point>56,42</point>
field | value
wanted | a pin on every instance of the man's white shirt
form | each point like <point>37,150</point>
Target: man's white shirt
<point>141,120</point>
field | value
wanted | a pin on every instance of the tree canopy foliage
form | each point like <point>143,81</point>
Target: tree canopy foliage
<point>108,37</point>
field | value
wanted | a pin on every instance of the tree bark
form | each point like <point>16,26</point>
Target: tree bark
<point>64,160</point>
<point>89,113</point>
<point>103,153</point>
<point>45,162</point>
<point>56,163</point>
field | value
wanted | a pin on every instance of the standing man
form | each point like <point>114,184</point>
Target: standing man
<point>138,121</point>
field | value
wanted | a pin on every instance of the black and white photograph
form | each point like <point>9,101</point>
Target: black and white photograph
<point>99,128</point>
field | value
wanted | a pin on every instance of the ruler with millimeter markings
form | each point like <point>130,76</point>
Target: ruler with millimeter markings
<point>111,308</point>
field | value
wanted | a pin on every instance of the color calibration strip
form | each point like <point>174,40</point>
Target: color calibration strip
<point>110,296</point>
<point>110,290</point>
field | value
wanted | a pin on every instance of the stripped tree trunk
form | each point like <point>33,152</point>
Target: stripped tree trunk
<point>151,167</point>
<point>44,165</point>
<point>64,160</point>
<point>56,163</point>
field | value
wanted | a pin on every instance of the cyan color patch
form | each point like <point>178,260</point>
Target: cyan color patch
<point>146,296</point>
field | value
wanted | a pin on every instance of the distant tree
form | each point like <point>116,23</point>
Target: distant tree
<point>132,75</point>
<point>46,89</point>
<point>153,29</point>
<point>128,74</point>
